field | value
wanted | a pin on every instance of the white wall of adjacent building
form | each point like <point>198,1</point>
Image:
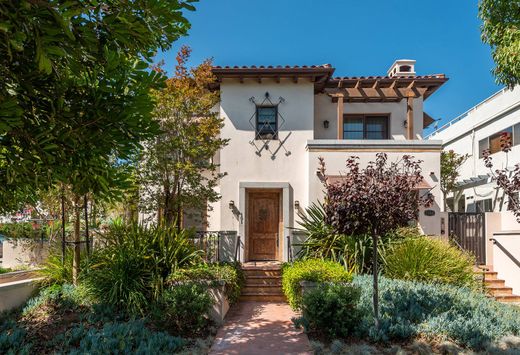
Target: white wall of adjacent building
<point>490,117</point>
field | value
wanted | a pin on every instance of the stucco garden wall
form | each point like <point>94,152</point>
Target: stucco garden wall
<point>507,266</point>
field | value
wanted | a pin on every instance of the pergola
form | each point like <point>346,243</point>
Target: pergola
<point>384,89</point>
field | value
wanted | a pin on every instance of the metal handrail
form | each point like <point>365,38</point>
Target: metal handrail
<point>509,255</point>
<point>289,249</point>
<point>237,248</point>
<point>465,114</point>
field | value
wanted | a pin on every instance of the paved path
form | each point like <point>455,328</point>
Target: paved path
<point>260,328</point>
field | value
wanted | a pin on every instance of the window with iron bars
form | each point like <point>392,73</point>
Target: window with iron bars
<point>266,122</point>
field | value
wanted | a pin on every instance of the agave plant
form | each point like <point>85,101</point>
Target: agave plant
<point>322,242</point>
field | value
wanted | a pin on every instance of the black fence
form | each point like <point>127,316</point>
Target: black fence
<point>468,231</point>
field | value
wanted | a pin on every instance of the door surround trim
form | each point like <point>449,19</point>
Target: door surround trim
<point>287,216</point>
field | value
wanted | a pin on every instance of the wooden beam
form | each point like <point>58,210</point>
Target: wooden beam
<point>409,115</point>
<point>340,117</point>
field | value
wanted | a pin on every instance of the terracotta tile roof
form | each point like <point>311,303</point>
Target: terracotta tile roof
<point>412,77</point>
<point>323,66</point>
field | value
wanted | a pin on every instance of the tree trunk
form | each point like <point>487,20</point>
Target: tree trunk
<point>77,240</point>
<point>375,294</point>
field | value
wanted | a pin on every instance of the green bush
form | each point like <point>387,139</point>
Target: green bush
<point>129,271</point>
<point>13,339</point>
<point>185,308</point>
<point>316,270</point>
<point>5,270</point>
<point>429,260</point>
<point>23,230</point>
<point>57,272</point>
<point>229,273</point>
<point>122,338</point>
<point>409,309</point>
<point>353,251</point>
<point>331,310</point>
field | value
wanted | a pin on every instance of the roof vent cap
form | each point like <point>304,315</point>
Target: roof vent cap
<point>402,67</point>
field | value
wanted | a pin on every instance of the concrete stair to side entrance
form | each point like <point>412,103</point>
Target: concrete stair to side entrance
<point>496,287</point>
<point>263,283</point>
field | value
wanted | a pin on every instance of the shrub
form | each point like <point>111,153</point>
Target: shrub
<point>22,230</point>
<point>58,272</point>
<point>409,309</point>
<point>229,273</point>
<point>13,339</point>
<point>123,338</point>
<point>331,310</point>
<point>130,269</point>
<point>4,270</point>
<point>429,260</point>
<point>316,270</point>
<point>185,308</point>
<point>353,251</point>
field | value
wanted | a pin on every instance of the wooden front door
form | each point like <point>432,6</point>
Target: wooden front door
<point>263,224</point>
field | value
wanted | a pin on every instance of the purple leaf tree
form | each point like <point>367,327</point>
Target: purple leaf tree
<point>374,200</point>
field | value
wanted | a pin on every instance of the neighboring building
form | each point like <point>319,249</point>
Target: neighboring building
<point>281,119</point>
<point>471,133</point>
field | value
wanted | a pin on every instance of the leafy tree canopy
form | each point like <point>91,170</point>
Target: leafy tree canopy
<point>450,166</point>
<point>501,30</point>
<point>179,171</point>
<point>74,95</point>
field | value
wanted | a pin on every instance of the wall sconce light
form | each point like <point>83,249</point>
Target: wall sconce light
<point>297,204</point>
<point>231,205</point>
<point>405,123</point>
<point>326,124</point>
<point>432,173</point>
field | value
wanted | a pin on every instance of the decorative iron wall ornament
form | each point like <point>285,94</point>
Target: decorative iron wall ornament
<point>267,130</point>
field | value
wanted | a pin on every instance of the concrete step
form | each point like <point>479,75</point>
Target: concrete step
<point>262,272</point>
<point>494,283</point>
<point>490,275</point>
<point>262,280</point>
<point>256,289</point>
<point>500,291</point>
<point>264,297</point>
<point>508,298</point>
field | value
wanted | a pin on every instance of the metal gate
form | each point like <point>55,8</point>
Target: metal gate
<point>468,231</point>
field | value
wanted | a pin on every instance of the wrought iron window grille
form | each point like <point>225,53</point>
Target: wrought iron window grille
<point>267,130</point>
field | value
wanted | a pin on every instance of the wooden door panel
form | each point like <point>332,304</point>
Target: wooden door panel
<point>263,225</point>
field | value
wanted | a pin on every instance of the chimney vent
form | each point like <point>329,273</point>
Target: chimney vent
<point>402,67</point>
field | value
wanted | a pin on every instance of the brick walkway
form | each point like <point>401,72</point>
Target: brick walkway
<point>260,328</point>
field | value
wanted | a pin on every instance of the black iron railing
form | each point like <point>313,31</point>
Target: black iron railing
<point>216,245</point>
<point>237,249</point>
<point>505,251</point>
<point>289,249</point>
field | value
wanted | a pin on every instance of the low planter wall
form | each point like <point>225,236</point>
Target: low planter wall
<point>221,304</point>
<point>16,293</point>
<point>23,253</point>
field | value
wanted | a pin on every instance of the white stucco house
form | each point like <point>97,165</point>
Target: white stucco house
<point>471,133</point>
<point>280,119</point>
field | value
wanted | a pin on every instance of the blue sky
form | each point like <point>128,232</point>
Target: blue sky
<point>361,37</point>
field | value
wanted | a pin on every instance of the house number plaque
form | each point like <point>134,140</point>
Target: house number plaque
<point>429,213</point>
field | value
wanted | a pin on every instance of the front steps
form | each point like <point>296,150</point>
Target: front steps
<point>496,287</point>
<point>263,282</point>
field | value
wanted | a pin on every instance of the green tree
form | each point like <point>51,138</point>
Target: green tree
<point>178,169</point>
<point>75,100</point>
<point>450,166</point>
<point>501,30</point>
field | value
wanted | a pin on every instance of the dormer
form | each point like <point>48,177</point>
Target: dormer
<point>402,67</point>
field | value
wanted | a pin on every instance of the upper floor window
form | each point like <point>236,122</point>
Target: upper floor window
<point>266,122</point>
<point>493,142</point>
<point>365,127</point>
